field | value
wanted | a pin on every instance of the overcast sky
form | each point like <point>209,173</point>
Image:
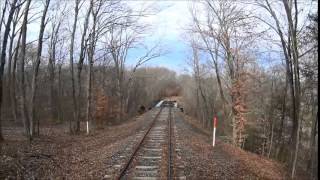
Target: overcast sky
<point>170,24</point>
<point>168,27</point>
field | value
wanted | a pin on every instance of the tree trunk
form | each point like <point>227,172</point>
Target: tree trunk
<point>60,113</point>
<point>198,108</point>
<point>24,110</point>
<point>75,113</point>
<point>283,111</point>
<point>290,50</point>
<point>88,118</point>
<point>312,148</point>
<point>3,15</point>
<point>90,64</point>
<point>292,24</point>
<point>36,71</point>
<point>9,68</point>
<point>271,138</point>
<point>13,79</point>
<point>3,57</point>
<point>51,82</point>
<point>205,108</point>
<point>51,69</point>
<point>80,65</point>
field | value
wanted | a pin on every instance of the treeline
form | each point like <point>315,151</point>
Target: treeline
<point>255,67</point>
<point>59,59</point>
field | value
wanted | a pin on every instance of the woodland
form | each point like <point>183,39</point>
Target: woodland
<point>255,70</point>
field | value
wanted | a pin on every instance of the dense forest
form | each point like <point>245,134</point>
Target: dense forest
<point>252,64</point>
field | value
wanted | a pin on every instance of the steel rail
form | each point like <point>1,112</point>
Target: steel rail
<point>169,147</point>
<point>123,171</point>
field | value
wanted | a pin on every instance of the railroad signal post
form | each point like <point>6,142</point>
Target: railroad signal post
<point>214,130</point>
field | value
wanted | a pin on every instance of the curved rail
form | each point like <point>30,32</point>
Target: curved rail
<point>123,171</point>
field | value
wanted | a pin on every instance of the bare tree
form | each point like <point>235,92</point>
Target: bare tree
<point>198,79</point>
<point>36,71</point>
<point>83,46</point>
<point>3,52</point>
<point>290,49</point>
<point>96,6</point>
<point>211,41</point>
<point>13,80</point>
<point>75,109</point>
<point>119,42</point>
<point>22,55</point>
<point>13,52</point>
<point>151,53</point>
<point>225,37</point>
<point>54,38</point>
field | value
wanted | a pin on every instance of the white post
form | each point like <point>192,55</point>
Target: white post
<point>214,131</point>
<point>87,127</point>
<point>214,136</point>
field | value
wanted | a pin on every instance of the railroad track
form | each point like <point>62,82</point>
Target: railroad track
<point>152,157</point>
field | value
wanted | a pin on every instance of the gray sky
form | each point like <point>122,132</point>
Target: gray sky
<point>168,27</point>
